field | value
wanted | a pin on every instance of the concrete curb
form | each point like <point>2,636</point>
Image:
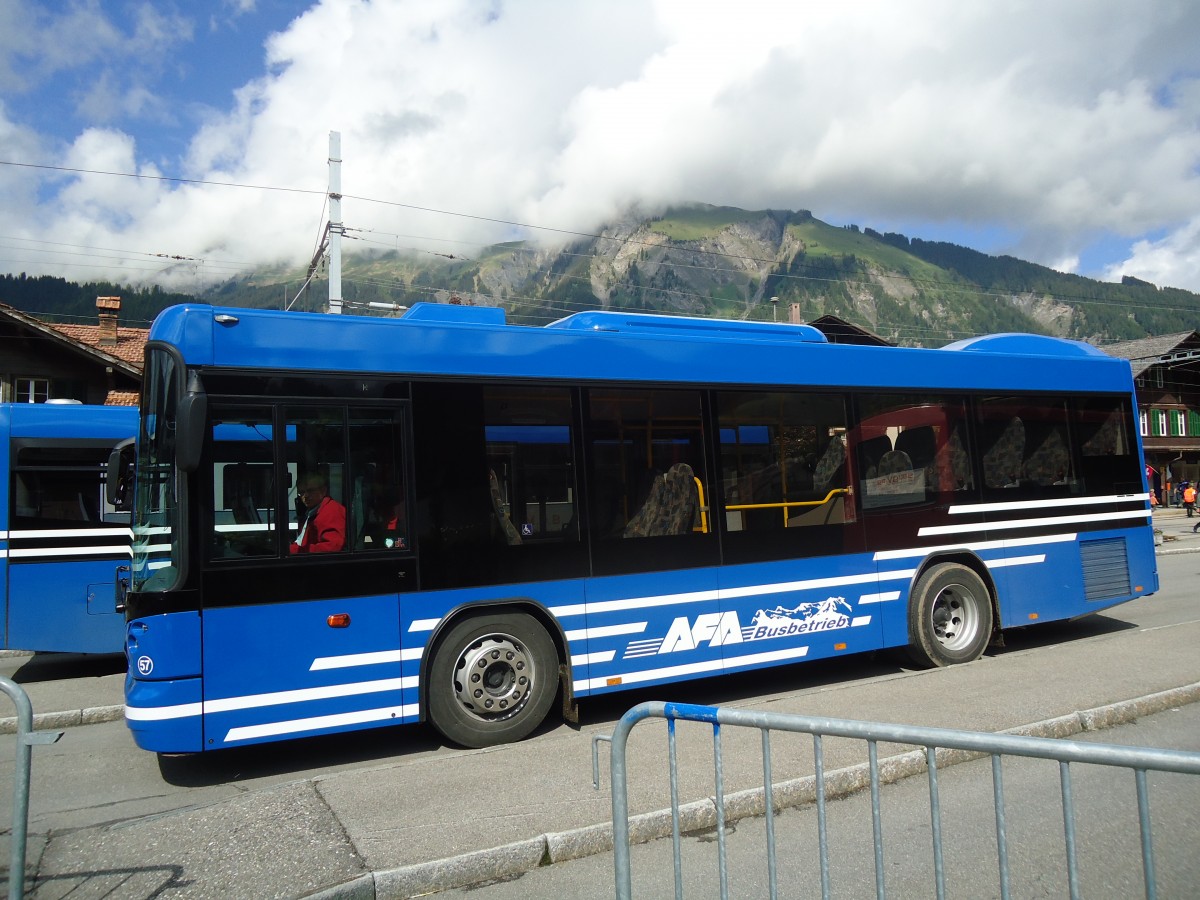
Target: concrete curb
<point>54,721</point>
<point>547,849</point>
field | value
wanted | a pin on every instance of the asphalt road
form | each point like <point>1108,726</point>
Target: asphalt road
<point>393,812</point>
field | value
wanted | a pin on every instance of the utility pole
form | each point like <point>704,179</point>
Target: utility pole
<point>336,226</point>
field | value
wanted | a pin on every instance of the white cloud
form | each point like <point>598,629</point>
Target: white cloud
<point>1172,261</point>
<point>1055,122</point>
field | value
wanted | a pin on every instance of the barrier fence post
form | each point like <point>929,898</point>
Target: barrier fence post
<point>26,738</point>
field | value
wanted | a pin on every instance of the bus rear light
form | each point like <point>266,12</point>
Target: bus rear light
<point>339,620</point>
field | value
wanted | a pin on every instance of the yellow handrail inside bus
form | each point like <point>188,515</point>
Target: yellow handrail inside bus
<point>703,506</point>
<point>788,504</point>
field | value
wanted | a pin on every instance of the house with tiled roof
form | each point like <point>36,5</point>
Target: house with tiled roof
<point>1166,371</point>
<point>839,331</point>
<point>100,363</point>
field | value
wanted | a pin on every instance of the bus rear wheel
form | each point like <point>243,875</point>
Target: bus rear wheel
<point>492,679</point>
<point>949,616</point>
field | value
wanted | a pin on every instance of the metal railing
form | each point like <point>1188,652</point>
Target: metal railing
<point>26,738</point>
<point>941,747</point>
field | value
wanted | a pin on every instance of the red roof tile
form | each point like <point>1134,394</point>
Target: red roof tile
<point>131,342</point>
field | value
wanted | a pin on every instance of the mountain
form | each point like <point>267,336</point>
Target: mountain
<point>727,262</point>
<point>721,261</point>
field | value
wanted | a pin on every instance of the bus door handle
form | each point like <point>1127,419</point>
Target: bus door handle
<point>122,588</point>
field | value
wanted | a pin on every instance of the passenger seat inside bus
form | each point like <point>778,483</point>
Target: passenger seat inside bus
<point>920,444</point>
<point>671,507</point>
<point>245,509</point>
<point>511,536</point>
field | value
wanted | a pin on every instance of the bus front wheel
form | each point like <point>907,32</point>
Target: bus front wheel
<point>492,679</point>
<point>949,616</point>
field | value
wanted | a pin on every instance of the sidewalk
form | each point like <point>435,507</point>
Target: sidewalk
<point>1175,528</point>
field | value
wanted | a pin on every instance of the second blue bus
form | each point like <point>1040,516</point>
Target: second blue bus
<point>62,537</point>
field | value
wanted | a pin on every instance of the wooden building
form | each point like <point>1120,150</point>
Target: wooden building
<point>1167,374</point>
<point>100,363</point>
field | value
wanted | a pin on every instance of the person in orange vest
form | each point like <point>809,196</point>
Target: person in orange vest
<point>1189,497</point>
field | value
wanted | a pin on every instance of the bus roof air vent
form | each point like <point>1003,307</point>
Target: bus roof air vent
<point>454,314</point>
<point>1027,345</point>
<point>688,326</point>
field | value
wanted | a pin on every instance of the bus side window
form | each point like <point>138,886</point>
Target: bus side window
<point>530,472</point>
<point>243,494</point>
<point>783,459</point>
<point>648,470</point>
<point>378,508</point>
<point>58,487</point>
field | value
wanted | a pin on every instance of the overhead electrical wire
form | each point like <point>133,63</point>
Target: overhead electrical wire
<point>942,285</point>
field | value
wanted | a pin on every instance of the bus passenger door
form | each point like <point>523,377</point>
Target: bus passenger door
<point>308,555</point>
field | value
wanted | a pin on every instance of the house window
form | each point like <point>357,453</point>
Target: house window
<point>1160,423</point>
<point>1178,423</point>
<point>1143,423</point>
<point>32,390</point>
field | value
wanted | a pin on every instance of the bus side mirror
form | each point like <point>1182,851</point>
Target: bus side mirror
<point>118,480</point>
<point>189,431</point>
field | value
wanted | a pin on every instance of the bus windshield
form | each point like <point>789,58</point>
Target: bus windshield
<point>156,565</point>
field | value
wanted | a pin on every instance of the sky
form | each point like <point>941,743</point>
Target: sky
<point>183,143</point>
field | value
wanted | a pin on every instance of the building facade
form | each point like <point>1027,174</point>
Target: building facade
<point>1167,374</point>
<point>95,363</point>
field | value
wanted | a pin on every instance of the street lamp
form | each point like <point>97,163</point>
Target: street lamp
<point>774,309</point>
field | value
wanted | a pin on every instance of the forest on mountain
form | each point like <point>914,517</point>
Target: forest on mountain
<point>53,299</point>
<point>704,261</point>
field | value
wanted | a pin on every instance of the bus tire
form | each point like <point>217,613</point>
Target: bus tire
<point>949,616</point>
<point>492,679</point>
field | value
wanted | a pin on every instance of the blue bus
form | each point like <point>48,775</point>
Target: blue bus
<point>61,536</point>
<point>345,522</point>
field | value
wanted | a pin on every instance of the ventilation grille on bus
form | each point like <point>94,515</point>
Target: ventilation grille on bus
<point>1105,569</point>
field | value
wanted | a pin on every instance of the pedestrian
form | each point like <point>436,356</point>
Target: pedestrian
<point>1189,497</point>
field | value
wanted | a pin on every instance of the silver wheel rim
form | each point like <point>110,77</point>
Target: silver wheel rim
<point>955,617</point>
<point>492,677</point>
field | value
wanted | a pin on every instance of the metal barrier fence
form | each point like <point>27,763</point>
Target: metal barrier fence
<point>26,738</point>
<point>941,747</point>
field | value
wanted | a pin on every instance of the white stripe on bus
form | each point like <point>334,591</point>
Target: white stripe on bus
<point>600,656</point>
<point>373,658</point>
<point>604,631</point>
<point>714,665</point>
<point>70,532</point>
<point>293,726</point>
<point>1034,523</point>
<point>1055,503</point>
<point>1002,544</point>
<point>881,597</point>
<point>68,551</point>
<point>754,590</point>
<point>1031,560</point>
<point>276,698</point>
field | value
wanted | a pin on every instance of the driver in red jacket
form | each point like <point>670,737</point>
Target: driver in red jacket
<point>323,528</point>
